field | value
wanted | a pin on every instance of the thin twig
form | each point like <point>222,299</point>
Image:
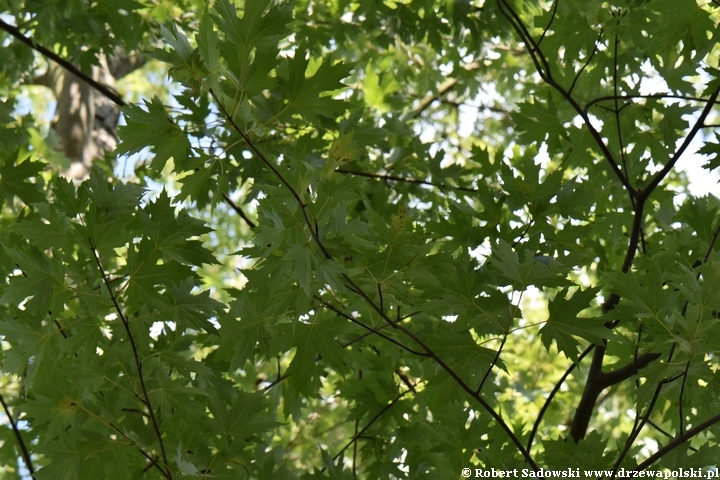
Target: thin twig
<point>21,442</point>
<point>681,415</point>
<point>275,382</point>
<point>369,328</point>
<point>666,433</point>
<point>554,391</point>
<point>369,424</point>
<point>238,210</point>
<point>547,28</point>
<point>136,355</point>
<point>395,178</point>
<point>276,172</point>
<point>364,335</point>
<point>617,108</point>
<point>660,96</point>
<point>587,62</point>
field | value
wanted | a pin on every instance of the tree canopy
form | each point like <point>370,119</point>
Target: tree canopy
<point>357,239</point>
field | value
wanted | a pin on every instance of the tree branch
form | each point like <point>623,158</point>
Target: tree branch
<point>369,328</point>
<point>16,431</point>
<point>353,286</point>
<point>677,442</point>
<point>104,89</point>
<point>660,96</point>
<point>369,424</point>
<point>239,210</point>
<point>686,143</point>
<point>403,179</point>
<point>138,363</point>
<point>545,73</point>
<point>629,370</point>
<point>554,391</point>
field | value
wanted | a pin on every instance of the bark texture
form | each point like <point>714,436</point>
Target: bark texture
<point>85,120</point>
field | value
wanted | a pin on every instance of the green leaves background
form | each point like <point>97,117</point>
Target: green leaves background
<point>344,277</point>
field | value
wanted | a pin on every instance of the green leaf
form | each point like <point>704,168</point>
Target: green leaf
<point>259,27</point>
<point>311,96</point>
<point>589,454</point>
<point>69,200</point>
<point>170,232</point>
<point>14,182</point>
<point>152,128</point>
<point>208,43</point>
<point>53,230</point>
<point>529,272</point>
<point>245,418</point>
<point>317,337</point>
<point>646,300</point>
<point>196,309</point>
<point>563,323</point>
<point>40,277</point>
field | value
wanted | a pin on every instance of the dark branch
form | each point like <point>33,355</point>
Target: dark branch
<point>543,69</point>
<point>104,89</point>
<point>369,424</point>
<point>239,210</point>
<point>660,96</point>
<point>686,143</point>
<point>677,442</point>
<point>628,371</point>
<point>369,328</point>
<point>554,391</point>
<point>403,179</point>
<point>136,355</point>
<point>21,442</point>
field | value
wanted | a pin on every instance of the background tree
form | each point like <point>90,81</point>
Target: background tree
<point>343,276</point>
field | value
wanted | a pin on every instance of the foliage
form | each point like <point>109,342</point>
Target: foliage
<point>403,292</point>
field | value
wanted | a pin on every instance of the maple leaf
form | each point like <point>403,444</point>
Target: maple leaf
<point>152,128</point>
<point>14,181</point>
<point>311,96</point>
<point>563,324</point>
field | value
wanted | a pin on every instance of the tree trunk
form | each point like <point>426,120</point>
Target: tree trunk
<point>85,120</point>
